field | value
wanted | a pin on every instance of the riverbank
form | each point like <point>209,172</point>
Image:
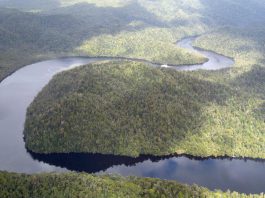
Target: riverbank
<point>85,185</point>
<point>103,97</point>
<point>42,72</point>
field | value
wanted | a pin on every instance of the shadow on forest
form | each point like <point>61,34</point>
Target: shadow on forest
<point>65,28</point>
<point>169,112</point>
<point>157,114</point>
<point>252,81</point>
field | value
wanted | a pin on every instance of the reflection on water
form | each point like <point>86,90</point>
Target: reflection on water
<point>91,163</point>
<point>18,91</point>
<point>241,175</point>
<point>237,175</point>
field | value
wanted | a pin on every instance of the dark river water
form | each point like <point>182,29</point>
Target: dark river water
<point>18,91</point>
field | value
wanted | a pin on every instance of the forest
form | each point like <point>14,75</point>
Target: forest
<point>33,30</point>
<point>28,36</point>
<point>85,185</point>
<point>129,108</point>
<point>136,108</point>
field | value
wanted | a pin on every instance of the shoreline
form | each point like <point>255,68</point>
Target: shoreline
<point>47,58</point>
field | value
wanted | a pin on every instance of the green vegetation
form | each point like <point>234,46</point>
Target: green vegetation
<point>119,108</point>
<point>128,108</point>
<point>152,44</point>
<point>26,38</point>
<point>85,185</point>
<point>247,77</point>
<point>112,28</point>
<point>80,27</point>
<point>30,37</point>
<point>246,47</point>
<point>148,29</point>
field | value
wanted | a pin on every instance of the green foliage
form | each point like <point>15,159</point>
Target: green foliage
<point>246,46</point>
<point>139,29</point>
<point>85,185</point>
<point>152,44</point>
<point>124,108</point>
<point>148,29</point>
<point>89,31</point>
<point>26,38</point>
<point>241,122</point>
<point>152,111</point>
<point>128,108</point>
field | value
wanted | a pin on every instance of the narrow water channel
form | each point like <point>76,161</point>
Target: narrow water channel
<point>18,91</point>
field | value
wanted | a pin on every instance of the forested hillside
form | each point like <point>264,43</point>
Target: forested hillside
<point>28,37</point>
<point>148,29</point>
<point>87,27</point>
<point>127,108</point>
<point>85,185</point>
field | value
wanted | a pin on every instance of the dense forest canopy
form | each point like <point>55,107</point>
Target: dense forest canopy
<point>44,29</point>
<point>148,29</point>
<point>141,29</point>
<point>207,112</point>
<point>121,108</point>
<point>127,108</point>
<point>87,186</point>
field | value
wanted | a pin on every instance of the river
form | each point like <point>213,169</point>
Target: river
<point>19,89</point>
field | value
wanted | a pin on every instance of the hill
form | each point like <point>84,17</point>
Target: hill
<point>129,108</point>
<point>28,37</point>
<point>43,30</point>
<point>123,108</point>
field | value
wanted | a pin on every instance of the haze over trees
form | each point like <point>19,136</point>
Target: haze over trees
<point>147,30</point>
<point>62,28</point>
<point>141,110</point>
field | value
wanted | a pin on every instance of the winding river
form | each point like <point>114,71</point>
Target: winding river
<point>18,91</point>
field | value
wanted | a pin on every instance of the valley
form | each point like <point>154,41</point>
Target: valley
<point>166,89</point>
